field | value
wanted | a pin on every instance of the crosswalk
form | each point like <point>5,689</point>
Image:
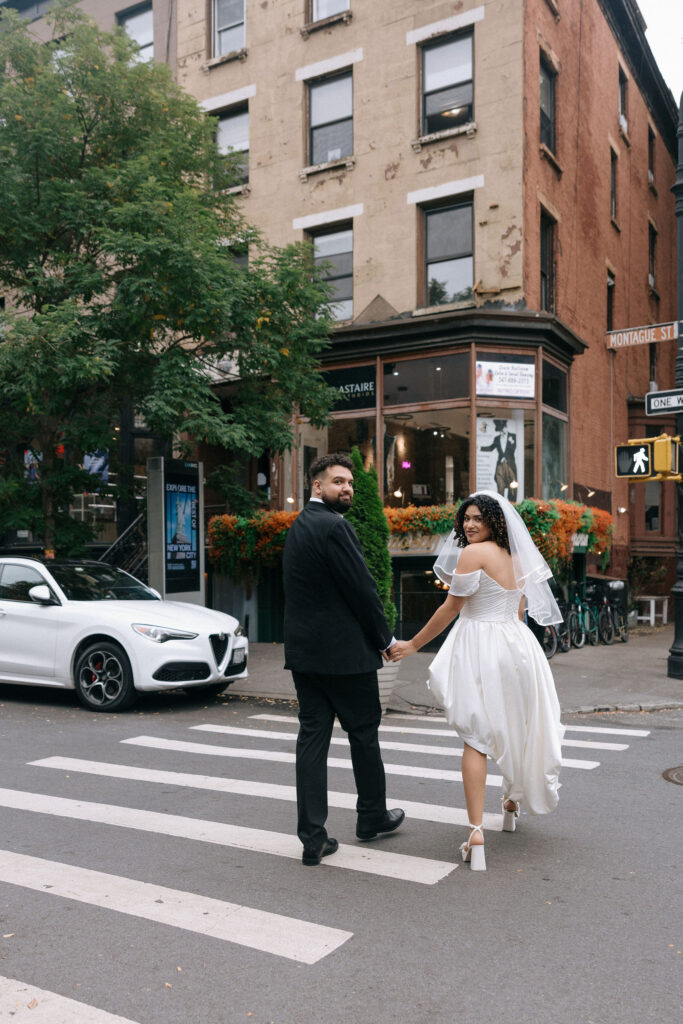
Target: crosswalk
<point>259,747</point>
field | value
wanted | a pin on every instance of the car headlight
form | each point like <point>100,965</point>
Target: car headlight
<point>239,631</point>
<point>160,634</point>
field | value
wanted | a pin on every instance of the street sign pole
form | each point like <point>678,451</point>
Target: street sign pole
<point>675,663</point>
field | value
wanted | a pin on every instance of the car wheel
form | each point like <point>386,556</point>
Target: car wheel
<point>103,678</point>
<point>211,690</point>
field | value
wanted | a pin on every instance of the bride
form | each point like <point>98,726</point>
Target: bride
<point>491,675</point>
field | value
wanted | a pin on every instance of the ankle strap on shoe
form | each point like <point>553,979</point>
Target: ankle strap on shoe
<point>477,828</point>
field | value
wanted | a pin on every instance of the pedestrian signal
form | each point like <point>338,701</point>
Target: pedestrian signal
<point>652,458</point>
<point>634,459</point>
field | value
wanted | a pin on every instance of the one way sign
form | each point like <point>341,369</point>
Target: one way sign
<point>633,459</point>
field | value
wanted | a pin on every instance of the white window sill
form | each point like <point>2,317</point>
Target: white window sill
<point>343,17</point>
<point>345,162</point>
<point>226,58</point>
<point>238,190</point>
<point>468,129</point>
<point>446,307</point>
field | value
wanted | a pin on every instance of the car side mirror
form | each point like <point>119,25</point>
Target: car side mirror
<point>41,594</point>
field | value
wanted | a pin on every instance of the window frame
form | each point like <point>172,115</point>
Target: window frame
<point>548,137</point>
<point>623,100</point>
<point>225,114</point>
<point>215,30</point>
<point>547,295</point>
<point>609,315</point>
<point>433,44</point>
<point>452,203</point>
<point>123,16</point>
<point>333,229</point>
<point>313,18</point>
<point>651,255</point>
<point>312,84</point>
<point>613,178</point>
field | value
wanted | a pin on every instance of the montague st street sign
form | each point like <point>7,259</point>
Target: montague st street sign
<point>630,336</point>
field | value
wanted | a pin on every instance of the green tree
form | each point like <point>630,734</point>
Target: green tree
<point>117,242</point>
<point>368,520</point>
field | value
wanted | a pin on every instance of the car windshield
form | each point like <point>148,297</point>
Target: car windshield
<point>95,582</point>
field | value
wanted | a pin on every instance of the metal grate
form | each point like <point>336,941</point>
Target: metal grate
<point>219,645</point>
<point>182,671</point>
<point>674,775</point>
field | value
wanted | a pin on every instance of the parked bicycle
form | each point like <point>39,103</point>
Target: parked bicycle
<point>582,619</point>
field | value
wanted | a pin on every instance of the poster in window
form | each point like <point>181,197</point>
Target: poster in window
<point>505,380</point>
<point>500,454</point>
<point>181,520</point>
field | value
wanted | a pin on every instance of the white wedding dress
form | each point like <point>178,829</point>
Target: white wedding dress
<point>494,683</point>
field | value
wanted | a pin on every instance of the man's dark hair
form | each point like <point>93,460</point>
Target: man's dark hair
<point>493,517</point>
<point>324,462</point>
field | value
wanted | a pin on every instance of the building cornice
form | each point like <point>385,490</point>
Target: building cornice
<point>523,329</point>
<point>628,26</point>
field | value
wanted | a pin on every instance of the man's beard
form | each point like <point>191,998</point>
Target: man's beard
<point>340,505</point>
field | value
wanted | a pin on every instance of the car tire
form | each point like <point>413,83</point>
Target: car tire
<point>103,677</point>
<point>210,690</point>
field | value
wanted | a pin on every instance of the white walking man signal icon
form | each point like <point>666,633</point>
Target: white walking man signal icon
<point>640,458</point>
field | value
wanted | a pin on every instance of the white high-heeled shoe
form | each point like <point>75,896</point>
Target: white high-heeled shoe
<point>510,817</point>
<point>474,855</point>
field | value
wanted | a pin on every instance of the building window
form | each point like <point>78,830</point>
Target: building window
<point>426,456</point>
<point>331,118</point>
<point>232,137</point>
<point>554,389</point>
<point>653,501</point>
<point>505,451</point>
<point>610,302</point>
<point>138,23</point>
<point>327,8</point>
<point>449,254</point>
<point>652,255</point>
<point>447,87</point>
<point>650,156</point>
<point>547,263</point>
<point>228,26</point>
<point>432,379</point>
<point>547,84</point>
<point>554,460</point>
<point>613,185</point>
<point>623,101</point>
<point>335,249</point>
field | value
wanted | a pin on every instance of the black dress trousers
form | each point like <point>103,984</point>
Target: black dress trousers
<point>355,701</point>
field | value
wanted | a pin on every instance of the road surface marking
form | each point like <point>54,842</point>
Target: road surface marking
<point>283,936</point>
<point>374,862</point>
<point>26,1002</point>
<point>441,718</point>
<point>268,734</point>
<point>448,733</point>
<point>333,762</point>
<point>267,790</point>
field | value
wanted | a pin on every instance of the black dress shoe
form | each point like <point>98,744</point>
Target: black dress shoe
<point>389,821</point>
<point>311,857</point>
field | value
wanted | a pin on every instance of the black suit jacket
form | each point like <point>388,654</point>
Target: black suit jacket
<point>334,622</point>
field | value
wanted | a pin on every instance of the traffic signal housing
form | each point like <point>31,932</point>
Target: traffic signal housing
<point>648,458</point>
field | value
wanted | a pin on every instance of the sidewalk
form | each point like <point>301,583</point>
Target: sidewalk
<point>623,677</point>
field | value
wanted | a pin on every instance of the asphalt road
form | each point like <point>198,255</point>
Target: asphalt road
<point>197,910</point>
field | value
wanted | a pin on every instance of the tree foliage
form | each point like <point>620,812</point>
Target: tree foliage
<point>367,517</point>
<point>117,240</point>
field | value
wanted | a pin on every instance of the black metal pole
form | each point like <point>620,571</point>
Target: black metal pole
<point>675,664</point>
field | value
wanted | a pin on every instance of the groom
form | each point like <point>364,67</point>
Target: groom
<point>335,631</point>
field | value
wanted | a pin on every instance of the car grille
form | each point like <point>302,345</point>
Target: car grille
<point>182,671</point>
<point>219,645</point>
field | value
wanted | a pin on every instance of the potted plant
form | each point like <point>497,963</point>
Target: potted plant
<point>368,520</point>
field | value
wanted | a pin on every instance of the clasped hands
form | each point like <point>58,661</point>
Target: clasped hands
<point>399,650</point>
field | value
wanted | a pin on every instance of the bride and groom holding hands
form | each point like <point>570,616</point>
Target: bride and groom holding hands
<point>490,675</point>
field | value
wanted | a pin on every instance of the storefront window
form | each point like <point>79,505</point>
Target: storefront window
<point>427,380</point>
<point>355,387</point>
<point>426,457</point>
<point>505,452</point>
<point>554,387</point>
<point>501,375</point>
<point>555,481</point>
<point>343,435</point>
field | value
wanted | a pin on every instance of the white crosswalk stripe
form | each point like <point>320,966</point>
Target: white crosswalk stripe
<point>374,862</point>
<point>283,936</point>
<point>403,730</point>
<point>271,755</point>
<point>570,728</point>
<point>268,790</point>
<point>22,1002</point>
<point>409,748</point>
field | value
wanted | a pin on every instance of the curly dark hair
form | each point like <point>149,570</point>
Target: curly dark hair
<point>493,517</point>
<point>325,462</point>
